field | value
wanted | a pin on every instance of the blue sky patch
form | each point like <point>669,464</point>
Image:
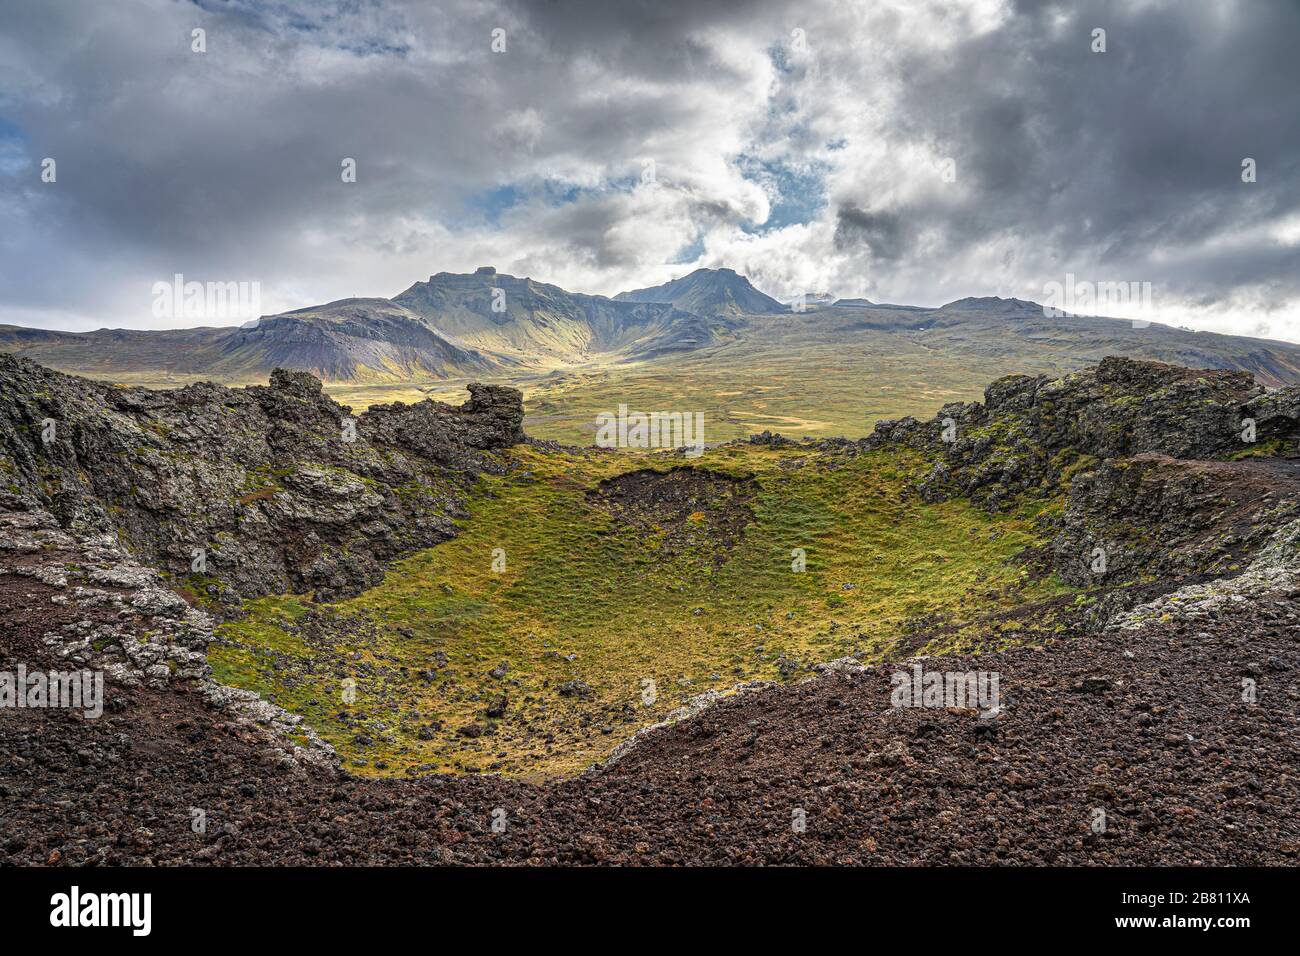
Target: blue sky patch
<point>13,149</point>
<point>797,193</point>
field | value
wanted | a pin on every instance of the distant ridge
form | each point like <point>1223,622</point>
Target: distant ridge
<point>371,340</point>
<point>991,303</point>
<point>716,292</point>
<point>490,326</point>
<point>877,306</point>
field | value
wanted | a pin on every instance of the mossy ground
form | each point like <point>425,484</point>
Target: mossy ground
<point>782,381</point>
<point>583,597</point>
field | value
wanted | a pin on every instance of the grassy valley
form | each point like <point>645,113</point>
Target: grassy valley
<point>835,372</point>
<point>613,599</point>
<point>790,380</point>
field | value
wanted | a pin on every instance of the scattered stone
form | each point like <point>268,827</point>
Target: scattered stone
<point>575,688</point>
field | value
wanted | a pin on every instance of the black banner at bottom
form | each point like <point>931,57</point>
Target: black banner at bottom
<point>333,905</point>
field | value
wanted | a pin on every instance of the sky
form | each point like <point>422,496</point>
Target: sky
<point>904,150</point>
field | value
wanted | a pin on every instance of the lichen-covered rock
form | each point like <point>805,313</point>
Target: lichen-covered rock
<point>1158,516</point>
<point>1030,431</point>
<point>1274,574</point>
<point>1169,474</point>
<point>492,419</point>
<point>264,489</point>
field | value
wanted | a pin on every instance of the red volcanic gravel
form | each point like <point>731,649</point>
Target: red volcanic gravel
<point>1147,727</point>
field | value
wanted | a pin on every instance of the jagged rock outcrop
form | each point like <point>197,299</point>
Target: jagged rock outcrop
<point>492,419</point>
<point>1156,516</point>
<point>258,490</point>
<point>1168,473</point>
<point>1031,431</point>
<point>103,609</point>
<point>1272,577</point>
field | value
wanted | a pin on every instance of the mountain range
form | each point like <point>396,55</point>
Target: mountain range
<point>535,323</point>
<point>493,326</point>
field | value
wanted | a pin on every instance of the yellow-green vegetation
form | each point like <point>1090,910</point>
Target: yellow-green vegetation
<point>797,386</point>
<point>1269,448</point>
<point>778,379</point>
<point>645,615</point>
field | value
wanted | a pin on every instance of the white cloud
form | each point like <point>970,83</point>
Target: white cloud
<point>225,165</point>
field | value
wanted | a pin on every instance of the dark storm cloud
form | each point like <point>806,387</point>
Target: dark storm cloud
<point>222,162</point>
<point>881,234</point>
<point>1120,165</point>
<point>1129,152</point>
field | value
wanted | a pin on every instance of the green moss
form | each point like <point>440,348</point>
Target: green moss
<point>1070,463</point>
<point>577,582</point>
<point>1269,448</point>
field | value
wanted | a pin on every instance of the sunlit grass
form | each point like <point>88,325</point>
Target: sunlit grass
<point>577,583</point>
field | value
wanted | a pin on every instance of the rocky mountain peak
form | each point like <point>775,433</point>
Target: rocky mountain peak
<point>709,292</point>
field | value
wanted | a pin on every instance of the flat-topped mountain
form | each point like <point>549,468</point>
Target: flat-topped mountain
<point>709,292</point>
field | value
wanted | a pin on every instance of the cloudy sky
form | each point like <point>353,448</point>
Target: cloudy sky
<point>902,150</point>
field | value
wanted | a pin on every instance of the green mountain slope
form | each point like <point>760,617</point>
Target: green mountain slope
<point>350,340</point>
<point>542,324</point>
